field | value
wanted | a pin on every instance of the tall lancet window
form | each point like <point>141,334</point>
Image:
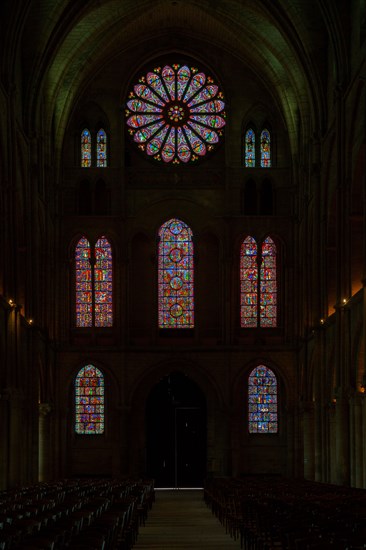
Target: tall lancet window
<point>249,148</point>
<point>175,275</point>
<point>94,281</point>
<point>86,160</point>
<point>268,284</point>
<point>258,284</point>
<point>89,401</point>
<point>249,283</point>
<point>265,149</point>
<point>262,401</point>
<point>101,149</point>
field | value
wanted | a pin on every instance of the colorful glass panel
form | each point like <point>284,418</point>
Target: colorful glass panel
<point>89,401</point>
<point>262,401</point>
<point>250,148</point>
<point>265,149</point>
<point>101,149</point>
<point>249,283</point>
<point>175,276</point>
<point>84,297</point>
<point>103,284</point>
<point>268,285</point>
<point>176,114</point>
<point>85,148</point>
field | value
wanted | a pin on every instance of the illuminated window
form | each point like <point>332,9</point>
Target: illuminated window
<point>262,401</point>
<point>94,279</point>
<point>258,284</point>
<point>265,149</point>
<point>101,149</point>
<point>85,149</point>
<point>176,114</point>
<point>249,146</point>
<point>175,276</point>
<point>89,401</point>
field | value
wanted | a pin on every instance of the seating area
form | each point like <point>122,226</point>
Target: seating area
<point>78,514</point>
<point>269,512</point>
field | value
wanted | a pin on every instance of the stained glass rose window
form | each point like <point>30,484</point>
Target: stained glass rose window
<point>176,114</point>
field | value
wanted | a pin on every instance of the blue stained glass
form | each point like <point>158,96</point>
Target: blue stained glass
<point>262,401</point>
<point>89,401</point>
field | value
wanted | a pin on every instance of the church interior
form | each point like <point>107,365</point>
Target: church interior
<point>183,236</point>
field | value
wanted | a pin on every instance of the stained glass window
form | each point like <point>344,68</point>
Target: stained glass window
<point>85,148</point>
<point>249,148</point>
<point>175,276</point>
<point>84,300</point>
<point>94,280</point>
<point>101,149</point>
<point>268,285</point>
<point>176,114</point>
<point>89,401</point>
<point>103,283</point>
<point>262,401</point>
<point>265,149</point>
<point>258,284</point>
<point>249,283</point>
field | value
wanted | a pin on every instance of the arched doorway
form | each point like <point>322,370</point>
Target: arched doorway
<point>176,433</point>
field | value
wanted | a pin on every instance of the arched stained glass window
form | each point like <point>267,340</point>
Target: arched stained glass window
<point>103,283</point>
<point>84,299</point>
<point>262,401</point>
<point>258,284</point>
<point>176,114</point>
<point>265,149</point>
<point>101,149</point>
<point>249,283</point>
<point>268,285</point>
<point>175,276</point>
<point>249,148</point>
<point>89,401</point>
<point>94,282</point>
<point>85,148</point>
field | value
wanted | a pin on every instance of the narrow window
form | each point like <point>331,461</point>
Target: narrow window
<point>262,401</point>
<point>265,149</point>
<point>175,275</point>
<point>249,283</point>
<point>89,401</point>
<point>85,148</point>
<point>249,148</point>
<point>268,285</point>
<point>84,297</point>
<point>101,149</point>
<point>103,283</point>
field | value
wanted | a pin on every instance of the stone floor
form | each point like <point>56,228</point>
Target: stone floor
<point>180,519</point>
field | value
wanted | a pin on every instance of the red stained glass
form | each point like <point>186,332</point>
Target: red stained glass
<point>89,401</point>
<point>85,148</point>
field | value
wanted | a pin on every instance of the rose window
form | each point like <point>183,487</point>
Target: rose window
<point>176,114</point>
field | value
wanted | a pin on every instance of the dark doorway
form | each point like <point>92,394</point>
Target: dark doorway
<point>176,433</point>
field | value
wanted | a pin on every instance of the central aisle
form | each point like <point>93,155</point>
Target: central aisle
<point>180,519</point>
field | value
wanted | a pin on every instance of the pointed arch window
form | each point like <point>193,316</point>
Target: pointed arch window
<point>265,148</point>
<point>94,281</point>
<point>262,401</point>
<point>101,149</point>
<point>175,275</point>
<point>249,148</point>
<point>86,149</point>
<point>258,283</point>
<point>89,401</point>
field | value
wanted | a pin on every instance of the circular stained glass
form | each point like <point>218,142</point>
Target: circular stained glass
<point>176,114</point>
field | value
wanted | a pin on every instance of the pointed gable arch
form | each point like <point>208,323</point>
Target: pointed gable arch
<point>175,275</point>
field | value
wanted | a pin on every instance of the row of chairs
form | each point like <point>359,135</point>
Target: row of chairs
<point>78,514</point>
<point>275,513</point>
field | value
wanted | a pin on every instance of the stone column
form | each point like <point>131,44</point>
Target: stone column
<point>309,440</point>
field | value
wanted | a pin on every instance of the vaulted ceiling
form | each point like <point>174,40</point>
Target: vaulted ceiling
<point>61,44</point>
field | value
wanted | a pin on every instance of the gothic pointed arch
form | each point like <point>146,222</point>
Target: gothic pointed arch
<point>85,148</point>
<point>89,401</point>
<point>262,401</point>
